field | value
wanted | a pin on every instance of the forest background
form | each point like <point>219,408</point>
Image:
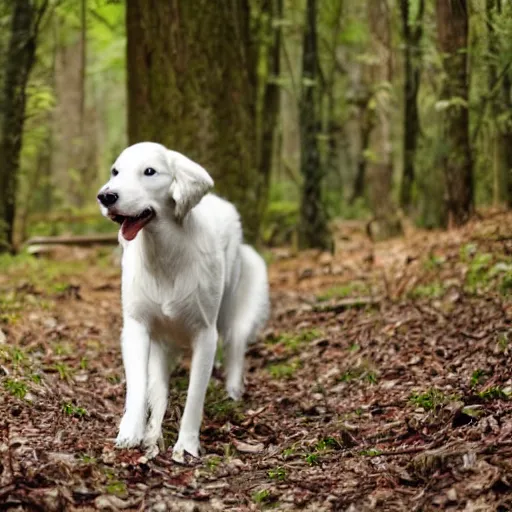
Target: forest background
<point>303,111</point>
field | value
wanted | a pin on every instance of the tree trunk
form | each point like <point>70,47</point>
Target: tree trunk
<point>412,34</point>
<point>72,144</point>
<point>192,86</point>
<point>378,152</point>
<point>20,59</point>
<point>271,10</point>
<point>501,102</point>
<point>313,231</point>
<point>366,122</point>
<point>452,27</point>
<point>506,141</point>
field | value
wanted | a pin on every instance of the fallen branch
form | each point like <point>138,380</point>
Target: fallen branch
<point>104,238</point>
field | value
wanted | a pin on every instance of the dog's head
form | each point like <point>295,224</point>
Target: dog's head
<point>146,181</point>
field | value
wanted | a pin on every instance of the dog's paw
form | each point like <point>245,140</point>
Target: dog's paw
<point>235,391</point>
<point>127,441</point>
<point>186,453</point>
<point>151,451</point>
<point>153,440</point>
<point>130,434</point>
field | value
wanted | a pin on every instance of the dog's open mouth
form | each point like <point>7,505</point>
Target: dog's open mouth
<point>130,226</point>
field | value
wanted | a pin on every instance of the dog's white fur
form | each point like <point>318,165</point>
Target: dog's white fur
<point>186,278</point>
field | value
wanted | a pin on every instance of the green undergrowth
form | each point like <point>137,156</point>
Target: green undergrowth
<point>283,371</point>
<point>431,399</point>
<point>33,282</point>
<point>35,276</point>
<point>293,341</point>
<point>71,221</point>
<point>353,288</point>
<point>483,272</point>
<point>219,407</point>
<point>362,372</point>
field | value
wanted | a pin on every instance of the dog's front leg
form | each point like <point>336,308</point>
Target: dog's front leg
<point>135,348</point>
<point>203,357</point>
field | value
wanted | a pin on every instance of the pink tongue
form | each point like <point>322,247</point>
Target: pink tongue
<point>131,227</point>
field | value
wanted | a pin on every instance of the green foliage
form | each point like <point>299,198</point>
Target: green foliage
<point>485,271</point>
<point>294,341</point>
<point>16,388</point>
<point>344,290</point>
<point>281,216</point>
<point>220,407</point>
<point>478,271</point>
<point>88,459</point>
<point>312,459</point>
<point>261,496</point>
<point>289,452</point>
<point>327,443</point>
<point>116,487</point>
<point>434,262</point>
<point>371,452</point>
<point>73,410</point>
<point>343,98</point>
<point>63,370</point>
<point>494,393</point>
<point>433,290</point>
<point>477,377</point>
<point>36,378</point>
<point>503,341</point>
<point>283,371</point>
<point>39,277</point>
<point>278,473</point>
<point>213,462</point>
<point>431,399</point>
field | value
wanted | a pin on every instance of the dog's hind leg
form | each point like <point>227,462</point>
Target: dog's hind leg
<point>244,312</point>
<point>158,390</point>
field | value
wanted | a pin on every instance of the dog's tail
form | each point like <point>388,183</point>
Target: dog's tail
<point>252,294</point>
<point>244,313</point>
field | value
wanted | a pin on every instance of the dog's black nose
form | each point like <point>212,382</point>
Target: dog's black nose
<point>107,198</point>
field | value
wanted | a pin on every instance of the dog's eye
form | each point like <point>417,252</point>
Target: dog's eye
<point>149,171</point>
<point>114,172</point>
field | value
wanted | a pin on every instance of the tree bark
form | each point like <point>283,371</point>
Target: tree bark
<point>20,59</point>
<point>452,27</point>
<point>192,86</point>
<point>506,140</point>
<point>412,34</point>
<point>366,122</point>
<point>73,165</point>
<point>313,231</point>
<point>501,139</point>
<point>271,10</point>
<point>378,152</point>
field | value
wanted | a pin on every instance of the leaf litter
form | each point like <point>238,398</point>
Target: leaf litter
<point>381,383</point>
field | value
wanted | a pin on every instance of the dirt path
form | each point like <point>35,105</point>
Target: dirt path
<point>382,383</point>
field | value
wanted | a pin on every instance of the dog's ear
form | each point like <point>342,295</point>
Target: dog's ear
<point>191,182</point>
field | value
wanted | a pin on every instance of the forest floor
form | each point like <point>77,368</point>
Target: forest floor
<point>383,382</point>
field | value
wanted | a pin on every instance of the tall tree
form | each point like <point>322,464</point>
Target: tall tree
<point>378,151</point>
<point>313,230</point>
<point>20,58</point>
<point>452,30</point>
<point>193,86</point>
<point>270,35</point>
<point>412,30</point>
<point>500,105</point>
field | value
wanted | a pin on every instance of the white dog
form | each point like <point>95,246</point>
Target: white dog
<point>186,278</point>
